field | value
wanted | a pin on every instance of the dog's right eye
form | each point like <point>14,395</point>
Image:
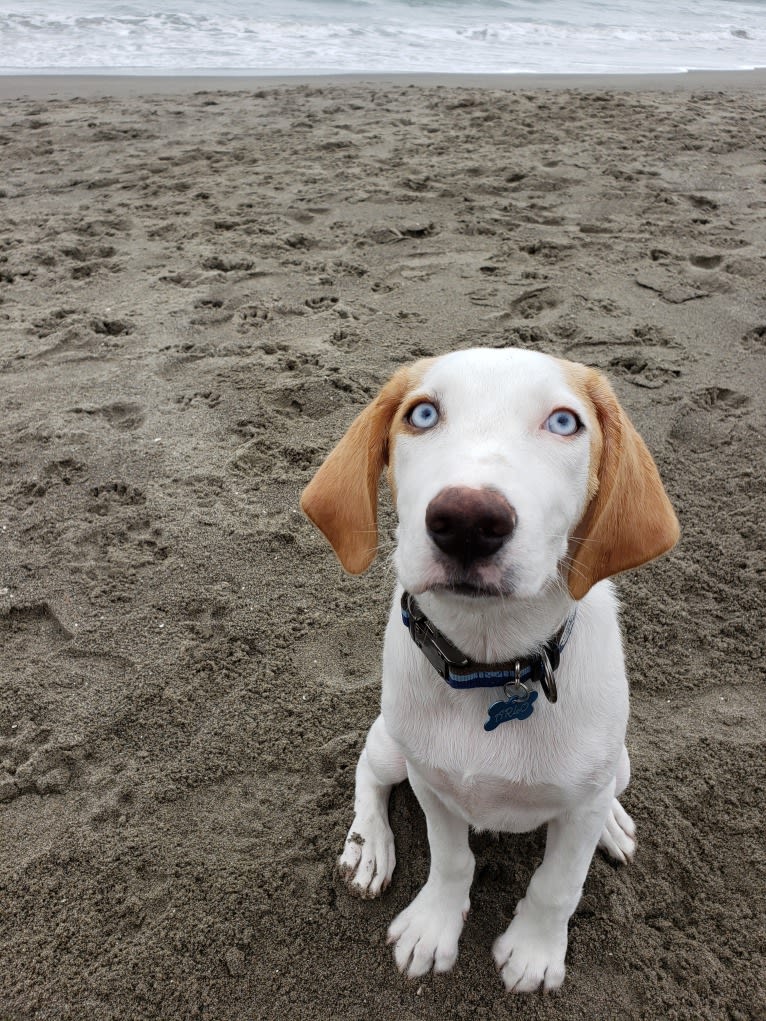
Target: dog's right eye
<point>423,416</point>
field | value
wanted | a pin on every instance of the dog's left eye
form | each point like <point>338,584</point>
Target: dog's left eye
<point>423,416</point>
<point>563,422</point>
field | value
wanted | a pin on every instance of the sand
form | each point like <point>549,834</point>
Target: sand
<point>198,291</point>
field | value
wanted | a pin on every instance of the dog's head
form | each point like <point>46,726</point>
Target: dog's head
<point>510,470</point>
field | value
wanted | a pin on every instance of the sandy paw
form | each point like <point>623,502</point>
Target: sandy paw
<point>368,858</point>
<point>618,838</point>
<point>426,934</point>
<point>531,953</point>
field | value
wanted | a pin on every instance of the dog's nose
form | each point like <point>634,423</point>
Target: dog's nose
<point>468,524</point>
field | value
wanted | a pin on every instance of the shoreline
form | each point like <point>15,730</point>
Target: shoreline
<point>70,86</point>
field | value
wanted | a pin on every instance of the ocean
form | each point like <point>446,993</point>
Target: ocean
<point>353,36</point>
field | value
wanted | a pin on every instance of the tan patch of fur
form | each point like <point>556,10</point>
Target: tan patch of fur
<point>342,498</point>
<point>629,519</point>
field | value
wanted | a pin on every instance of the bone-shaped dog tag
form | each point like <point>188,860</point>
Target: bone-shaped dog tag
<point>515,708</point>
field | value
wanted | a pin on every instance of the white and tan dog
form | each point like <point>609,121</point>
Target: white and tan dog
<point>520,485</point>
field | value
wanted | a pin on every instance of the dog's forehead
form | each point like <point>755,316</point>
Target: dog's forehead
<point>507,375</point>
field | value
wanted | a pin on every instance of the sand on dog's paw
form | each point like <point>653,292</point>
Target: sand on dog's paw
<point>368,858</point>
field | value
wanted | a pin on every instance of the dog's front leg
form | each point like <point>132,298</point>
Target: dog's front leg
<point>426,933</point>
<point>531,951</point>
<point>368,858</point>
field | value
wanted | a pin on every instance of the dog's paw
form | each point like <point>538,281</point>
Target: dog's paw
<point>618,838</point>
<point>368,858</point>
<point>426,934</point>
<point>531,952</point>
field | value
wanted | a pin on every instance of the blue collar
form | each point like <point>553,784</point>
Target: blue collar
<point>460,672</point>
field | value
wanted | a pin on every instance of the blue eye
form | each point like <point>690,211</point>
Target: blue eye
<point>423,416</point>
<point>563,422</point>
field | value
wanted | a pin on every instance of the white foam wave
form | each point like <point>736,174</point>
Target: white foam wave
<point>306,36</point>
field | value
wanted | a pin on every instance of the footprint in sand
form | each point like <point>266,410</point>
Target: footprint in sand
<point>29,760</point>
<point>709,418</point>
<point>111,327</point>
<point>643,370</point>
<point>31,763</point>
<point>538,300</point>
<point>346,338</point>
<point>227,265</point>
<point>26,626</point>
<point>65,469</point>
<point>88,258</point>
<point>706,261</point>
<point>755,339</point>
<point>122,415</point>
<point>77,338</point>
<point>48,324</point>
<point>312,398</point>
<point>200,398</point>
<point>114,493</point>
<point>321,303</point>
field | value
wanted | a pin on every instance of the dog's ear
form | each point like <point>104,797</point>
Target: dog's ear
<point>629,519</point>
<point>342,498</point>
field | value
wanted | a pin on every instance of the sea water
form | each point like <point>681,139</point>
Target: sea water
<point>353,36</point>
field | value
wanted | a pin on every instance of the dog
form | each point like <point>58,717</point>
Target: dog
<point>520,487</point>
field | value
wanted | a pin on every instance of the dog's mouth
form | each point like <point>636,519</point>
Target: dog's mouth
<point>480,580</point>
<point>471,589</point>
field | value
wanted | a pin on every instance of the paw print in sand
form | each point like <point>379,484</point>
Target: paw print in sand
<point>30,762</point>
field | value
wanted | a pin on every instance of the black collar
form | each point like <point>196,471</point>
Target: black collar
<point>461,672</point>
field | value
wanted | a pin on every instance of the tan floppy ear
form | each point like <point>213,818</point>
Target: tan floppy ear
<point>342,498</point>
<point>629,519</point>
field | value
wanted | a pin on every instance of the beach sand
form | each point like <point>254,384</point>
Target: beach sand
<point>198,292</point>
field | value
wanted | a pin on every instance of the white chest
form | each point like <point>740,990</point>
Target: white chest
<point>524,772</point>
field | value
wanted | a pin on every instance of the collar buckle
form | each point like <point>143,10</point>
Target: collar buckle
<point>438,649</point>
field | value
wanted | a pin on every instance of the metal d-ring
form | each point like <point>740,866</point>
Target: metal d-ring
<point>516,686</point>
<point>548,679</point>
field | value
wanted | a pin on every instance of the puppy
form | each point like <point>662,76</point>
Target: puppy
<point>520,487</point>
